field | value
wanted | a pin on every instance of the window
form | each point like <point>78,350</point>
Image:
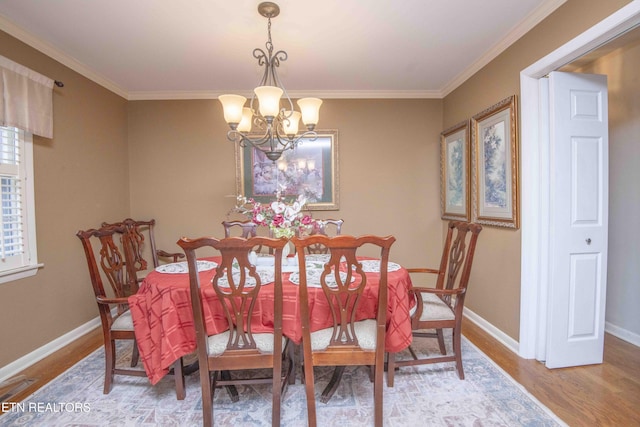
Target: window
<point>18,256</point>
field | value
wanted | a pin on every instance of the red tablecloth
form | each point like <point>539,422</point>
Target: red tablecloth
<point>164,328</point>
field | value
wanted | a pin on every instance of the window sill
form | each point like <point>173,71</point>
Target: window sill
<point>19,273</point>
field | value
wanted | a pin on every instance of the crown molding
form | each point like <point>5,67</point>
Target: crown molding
<point>44,47</point>
<point>519,30</point>
<point>335,94</point>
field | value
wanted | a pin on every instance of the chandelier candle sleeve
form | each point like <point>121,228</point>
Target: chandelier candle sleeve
<point>290,124</point>
<point>245,123</point>
<point>276,127</point>
<point>310,108</point>
<point>232,105</point>
<point>269,100</point>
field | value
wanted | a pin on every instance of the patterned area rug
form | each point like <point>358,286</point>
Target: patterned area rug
<point>428,395</point>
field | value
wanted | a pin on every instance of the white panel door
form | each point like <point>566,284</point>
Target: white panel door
<point>579,218</point>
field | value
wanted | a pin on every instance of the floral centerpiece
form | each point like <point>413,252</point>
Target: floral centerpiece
<point>284,218</point>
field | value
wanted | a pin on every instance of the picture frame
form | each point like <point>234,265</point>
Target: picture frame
<point>455,200</point>
<point>494,161</point>
<point>310,169</point>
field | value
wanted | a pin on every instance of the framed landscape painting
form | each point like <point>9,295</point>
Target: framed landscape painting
<point>454,172</point>
<point>495,165</point>
<point>310,169</point>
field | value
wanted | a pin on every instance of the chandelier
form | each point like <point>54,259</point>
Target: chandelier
<point>277,128</point>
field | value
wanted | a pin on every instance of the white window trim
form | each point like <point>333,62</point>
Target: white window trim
<point>30,238</point>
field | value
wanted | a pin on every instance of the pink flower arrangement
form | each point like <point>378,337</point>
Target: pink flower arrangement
<point>283,218</point>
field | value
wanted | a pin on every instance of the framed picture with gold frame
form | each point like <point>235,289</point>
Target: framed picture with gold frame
<point>495,165</point>
<point>310,169</point>
<point>454,172</point>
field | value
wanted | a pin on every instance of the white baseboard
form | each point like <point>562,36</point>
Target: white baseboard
<point>38,354</point>
<point>622,333</point>
<point>496,333</point>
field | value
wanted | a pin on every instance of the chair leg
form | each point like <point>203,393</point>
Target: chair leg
<point>109,364</point>
<point>443,349</point>
<point>276,390</point>
<point>377,395</point>
<point>309,387</point>
<point>178,374</point>
<point>458,352</point>
<point>207,396</point>
<point>391,368</point>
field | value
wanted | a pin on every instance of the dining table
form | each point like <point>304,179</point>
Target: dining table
<point>163,318</point>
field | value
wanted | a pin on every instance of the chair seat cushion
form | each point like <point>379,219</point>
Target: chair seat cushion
<point>217,344</point>
<point>123,322</point>
<point>365,332</point>
<point>433,308</point>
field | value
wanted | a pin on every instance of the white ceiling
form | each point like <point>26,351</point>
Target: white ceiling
<point>172,49</point>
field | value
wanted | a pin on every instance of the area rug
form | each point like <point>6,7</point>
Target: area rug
<point>428,395</point>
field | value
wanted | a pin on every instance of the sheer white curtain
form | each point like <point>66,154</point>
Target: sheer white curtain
<point>26,99</point>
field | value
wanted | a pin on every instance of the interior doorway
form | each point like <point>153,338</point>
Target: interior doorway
<point>535,176</point>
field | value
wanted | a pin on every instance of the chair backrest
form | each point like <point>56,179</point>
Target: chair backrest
<point>113,265</point>
<point>140,248</point>
<point>322,226</point>
<point>343,282</point>
<point>237,285</point>
<point>246,228</point>
<point>457,258</point>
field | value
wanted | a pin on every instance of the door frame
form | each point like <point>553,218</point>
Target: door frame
<point>535,174</point>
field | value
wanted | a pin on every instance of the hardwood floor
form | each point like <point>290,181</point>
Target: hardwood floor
<point>55,364</point>
<point>597,395</point>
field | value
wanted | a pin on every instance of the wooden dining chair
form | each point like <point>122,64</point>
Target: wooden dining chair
<point>238,287</point>
<point>114,259</point>
<point>349,341</point>
<point>247,229</point>
<point>143,248</point>
<point>442,307</point>
<point>325,227</point>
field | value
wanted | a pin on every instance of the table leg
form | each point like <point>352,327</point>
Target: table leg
<point>231,389</point>
<point>333,384</point>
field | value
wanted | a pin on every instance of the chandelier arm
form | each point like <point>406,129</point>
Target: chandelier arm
<point>284,143</point>
<point>281,55</point>
<point>310,134</point>
<point>243,139</point>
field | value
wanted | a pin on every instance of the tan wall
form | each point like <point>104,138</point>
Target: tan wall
<point>182,167</point>
<point>495,291</point>
<point>81,178</point>
<point>179,167</point>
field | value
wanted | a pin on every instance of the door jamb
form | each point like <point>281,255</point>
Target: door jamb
<point>535,174</point>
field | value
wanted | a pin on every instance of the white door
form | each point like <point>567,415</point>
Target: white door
<point>579,218</point>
